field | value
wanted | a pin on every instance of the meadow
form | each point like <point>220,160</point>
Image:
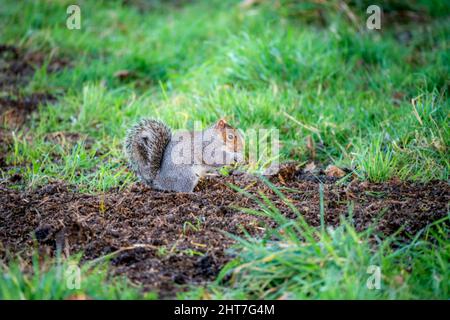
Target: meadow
<point>372,102</point>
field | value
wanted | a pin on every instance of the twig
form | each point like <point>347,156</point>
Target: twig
<point>307,127</point>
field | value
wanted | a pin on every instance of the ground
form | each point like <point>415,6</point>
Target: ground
<point>161,240</point>
<point>363,123</point>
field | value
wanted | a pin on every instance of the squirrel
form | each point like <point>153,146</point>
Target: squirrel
<point>176,161</point>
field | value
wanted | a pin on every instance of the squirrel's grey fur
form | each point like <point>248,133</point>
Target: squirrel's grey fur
<point>154,154</point>
<point>144,147</point>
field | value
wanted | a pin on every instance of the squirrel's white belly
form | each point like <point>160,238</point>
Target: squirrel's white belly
<point>200,170</point>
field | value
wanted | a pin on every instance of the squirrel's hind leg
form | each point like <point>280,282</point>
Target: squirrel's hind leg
<point>176,181</point>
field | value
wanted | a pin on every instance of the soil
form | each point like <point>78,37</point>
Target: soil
<point>17,67</point>
<point>5,141</point>
<point>161,240</point>
<point>15,111</point>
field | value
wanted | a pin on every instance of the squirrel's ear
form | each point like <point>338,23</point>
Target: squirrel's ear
<point>221,124</point>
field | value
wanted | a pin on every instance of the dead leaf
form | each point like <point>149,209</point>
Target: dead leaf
<point>399,280</point>
<point>123,74</point>
<point>310,167</point>
<point>398,97</point>
<point>80,296</point>
<point>248,3</point>
<point>333,171</point>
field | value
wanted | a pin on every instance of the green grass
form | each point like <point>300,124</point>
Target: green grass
<point>63,279</point>
<point>368,101</point>
<point>350,90</point>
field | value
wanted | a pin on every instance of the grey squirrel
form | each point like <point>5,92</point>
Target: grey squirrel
<point>175,162</point>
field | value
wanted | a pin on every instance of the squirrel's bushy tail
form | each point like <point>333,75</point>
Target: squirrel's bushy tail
<point>144,147</point>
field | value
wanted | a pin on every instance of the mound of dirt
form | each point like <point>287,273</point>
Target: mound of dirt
<point>162,239</point>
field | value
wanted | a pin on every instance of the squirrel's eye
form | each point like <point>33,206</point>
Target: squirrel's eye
<point>230,137</point>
